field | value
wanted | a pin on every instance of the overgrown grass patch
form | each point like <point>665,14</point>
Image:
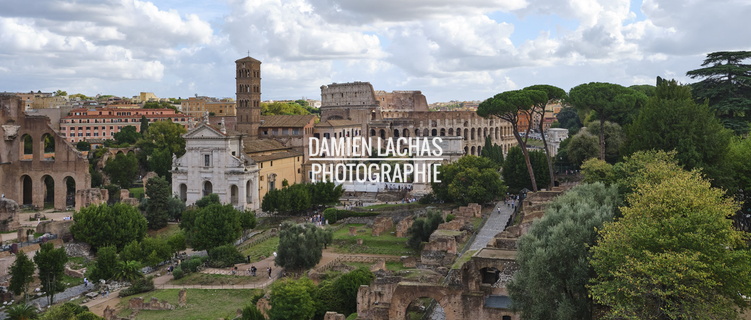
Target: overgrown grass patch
<point>387,243</point>
<point>260,250</point>
<point>137,192</point>
<point>201,304</point>
<point>383,206</point>
<point>165,232</point>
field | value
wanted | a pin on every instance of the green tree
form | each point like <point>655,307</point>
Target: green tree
<point>469,179</point>
<point>83,146</point>
<point>511,105</point>
<point>609,102</point>
<point>160,161</point>
<point>214,225</point>
<point>596,170</point>
<point>514,171</point>
<point>103,225</point>
<point>105,267</point>
<point>553,94</point>
<point>422,228</point>
<point>163,136</point>
<point>22,312</point>
<point>224,256</point>
<point>177,241</point>
<point>300,246</point>
<point>69,311</point>
<point>21,274</point>
<point>292,299</point>
<point>726,85</point>
<point>128,271</point>
<point>615,139</point>
<point>158,192</point>
<point>282,108</point>
<point>671,120</point>
<point>346,287</point>
<point>492,151</point>
<point>247,220</point>
<point>132,251</point>
<point>569,118</point>
<point>155,250</point>
<point>60,93</point>
<point>144,125</point>
<point>553,268</point>
<point>673,254</point>
<point>51,265</point>
<point>580,147</point>
<point>122,170</point>
<point>127,135</point>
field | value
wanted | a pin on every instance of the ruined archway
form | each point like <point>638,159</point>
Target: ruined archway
<point>466,134</point>
<point>27,190</point>
<point>70,191</point>
<point>425,132</point>
<point>417,132</point>
<point>443,132</point>
<point>48,146</point>
<point>406,133</point>
<point>424,308</point>
<point>372,132</point>
<point>434,132</point>
<point>451,131</point>
<point>27,147</point>
<point>382,133</point>
<point>490,275</point>
<point>49,191</point>
<point>396,133</point>
<point>405,293</point>
<point>473,151</point>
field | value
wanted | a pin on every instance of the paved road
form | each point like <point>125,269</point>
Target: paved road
<point>495,224</point>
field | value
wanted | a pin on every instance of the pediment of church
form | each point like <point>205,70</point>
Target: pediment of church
<point>204,131</point>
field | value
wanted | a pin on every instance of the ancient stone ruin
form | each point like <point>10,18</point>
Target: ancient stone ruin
<point>8,215</point>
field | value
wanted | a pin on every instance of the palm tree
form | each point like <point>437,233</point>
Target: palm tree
<point>130,271</point>
<point>22,312</point>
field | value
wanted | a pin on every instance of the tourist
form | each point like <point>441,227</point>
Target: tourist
<point>269,272</point>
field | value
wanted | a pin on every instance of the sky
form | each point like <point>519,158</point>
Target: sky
<point>448,49</point>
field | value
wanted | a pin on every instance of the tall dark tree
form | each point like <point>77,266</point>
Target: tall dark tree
<point>569,118</point>
<point>105,267</point>
<point>144,125</point>
<point>510,106</point>
<point>514,172</point>
<point>127,135</point>
<point>727,85</point>
<point>157,207</point>
<point>492,151</point>
<point>554,94</point>
<point>21,274</point>
<point>51,265</point>
<point>422,228</point>
<point>104,225</point>
<point>671,120</point>
<point>609,101</point>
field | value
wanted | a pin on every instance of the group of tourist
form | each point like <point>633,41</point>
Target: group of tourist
<point>317,219</point>
<point>398,187</point>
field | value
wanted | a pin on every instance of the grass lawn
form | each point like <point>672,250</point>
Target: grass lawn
<point>137,192</point>
<point>205,279</point>
<point>71,281</point>
<point>395,205</point>
<point>260,250</point>
<point>202,304</point>
<point>391,266</point>
<point>165,232</point>
<point>386,243</point>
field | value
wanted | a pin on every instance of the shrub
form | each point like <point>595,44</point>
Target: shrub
<point>191,265</point>
<point>178,273</point>
<point>139,286</point>
<point>224,256</point>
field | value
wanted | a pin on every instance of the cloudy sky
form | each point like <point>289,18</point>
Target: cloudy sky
<point>448,49</point>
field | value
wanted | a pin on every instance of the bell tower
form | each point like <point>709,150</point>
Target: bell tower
<point>248,92</point>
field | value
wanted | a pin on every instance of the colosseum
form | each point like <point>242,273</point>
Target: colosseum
<point>406,114</point>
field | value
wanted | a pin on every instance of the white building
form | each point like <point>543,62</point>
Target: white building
<point>214,162</point>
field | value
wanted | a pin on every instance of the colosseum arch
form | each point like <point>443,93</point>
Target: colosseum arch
<point>434,132</point>
<point>473,151</point>
<point>443,132</point>
<point>406,133</point>
<point>417,132</point>
<point>396,133</point>
<point>466,134</point>
<point>451,131</point>
<point>382,133</point>
<point>426,133</point>
<point>372,132</point>
<point>472,134</point>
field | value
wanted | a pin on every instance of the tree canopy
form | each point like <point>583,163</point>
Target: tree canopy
<point>510,106</point>
<point>553,94</point>
<point>514,170</point>
<point>609,101</point>
<point>726,84</point>
<point>292,299</point>
<point>51,265</point>
<point>469,179</point>
<point>122,169</point>
<point>103,225</point>
<point>157,208</point>
<point>300,246</point>
<point>554,271</point>
<point>127,135</point>
<point>21,273</point>
<point>673,254</point>
<point>671,120</point>
<point>283,108</point>
<point>212,226</point>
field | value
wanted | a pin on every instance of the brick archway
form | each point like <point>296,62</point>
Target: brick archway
<point>406,292</point>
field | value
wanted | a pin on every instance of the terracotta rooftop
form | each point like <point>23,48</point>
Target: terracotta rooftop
<point>262,145</point>
<point>277,155</point>
<point>288,121</point>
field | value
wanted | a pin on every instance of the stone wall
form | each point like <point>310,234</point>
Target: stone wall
<point>381,225</point>
<point>60,227</point>
<point>8,215</point>
<point>403,226</point>
<point>153,304</point>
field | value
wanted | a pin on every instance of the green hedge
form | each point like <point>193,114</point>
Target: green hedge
<point>332,215</point>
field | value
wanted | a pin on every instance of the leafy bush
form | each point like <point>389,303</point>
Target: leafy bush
<point>178,273</point>
<point>191,265</point>
<point>139,286</point>
<point>224,256</point>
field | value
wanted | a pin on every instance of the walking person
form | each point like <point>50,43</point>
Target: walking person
<point>269,272</point>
